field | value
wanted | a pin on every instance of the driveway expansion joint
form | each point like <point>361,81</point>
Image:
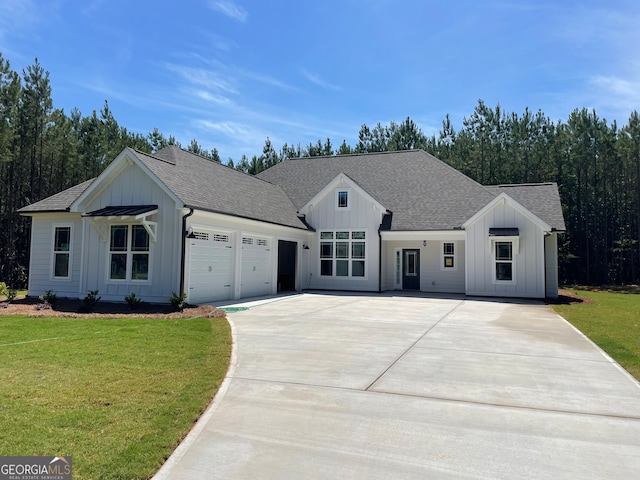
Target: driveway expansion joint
<point>460,303</point>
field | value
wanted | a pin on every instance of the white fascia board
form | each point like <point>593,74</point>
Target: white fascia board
<point>221,221</point>
<point>328,189</point>
<point>504,198</point>
<point>126,157</point>
<point>424,235</point>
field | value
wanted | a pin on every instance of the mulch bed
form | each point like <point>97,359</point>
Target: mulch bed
<point>565,297</point>
<point>74,308</point>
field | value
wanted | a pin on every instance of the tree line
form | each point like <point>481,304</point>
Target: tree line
<point>596,164</point>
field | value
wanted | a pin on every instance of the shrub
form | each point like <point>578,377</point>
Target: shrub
<point>90,300</point>
<point>9,293</point>
<point>50,297</point>
<point>133,301</point>
<point>178,301</point>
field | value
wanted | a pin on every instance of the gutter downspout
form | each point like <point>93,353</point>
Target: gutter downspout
<point>379,261</point>
<point>184,249</point>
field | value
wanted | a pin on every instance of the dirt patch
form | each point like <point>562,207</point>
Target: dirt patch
<point>74,308</point>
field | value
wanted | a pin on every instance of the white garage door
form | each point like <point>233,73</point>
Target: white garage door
<point>210,267</point>
<point>257,269</point>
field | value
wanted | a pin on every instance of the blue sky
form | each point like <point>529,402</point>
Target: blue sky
<point>232,72</point>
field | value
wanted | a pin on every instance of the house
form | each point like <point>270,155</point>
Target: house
<point>174,221</point>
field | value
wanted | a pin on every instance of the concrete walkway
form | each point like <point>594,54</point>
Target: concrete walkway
<point>334,386</point>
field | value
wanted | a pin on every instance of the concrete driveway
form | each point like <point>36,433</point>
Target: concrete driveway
<point>334,386</point>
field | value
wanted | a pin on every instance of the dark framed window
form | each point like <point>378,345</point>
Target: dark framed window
<point>343,253</point>
<point>129,251</point>
<point>504,261</point>
<point>343,199</point>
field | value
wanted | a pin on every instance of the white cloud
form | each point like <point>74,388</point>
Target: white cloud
<point>229,9</point>
<point>317,80</point>
<point>210,97</point>
<point>203,78</point>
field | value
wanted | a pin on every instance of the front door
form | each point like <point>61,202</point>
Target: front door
<point>287,265</point>
<point>411,269</point>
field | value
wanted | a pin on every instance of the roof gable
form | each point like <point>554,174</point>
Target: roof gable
<point>340,180</point>
<point>541,199</point>
<point>504,198</point>
<point>126,158</point>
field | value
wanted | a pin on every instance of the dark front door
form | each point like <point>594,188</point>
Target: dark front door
<point>411,269</point>
<point>286,265</point>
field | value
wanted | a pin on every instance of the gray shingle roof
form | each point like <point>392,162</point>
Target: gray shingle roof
<point>423,192</point>
<point>203,184</point>
<point>60,202</point>
<point>541,199</point>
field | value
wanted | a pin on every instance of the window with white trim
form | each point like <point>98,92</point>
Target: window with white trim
<point>343,253</point>
<point>448,256</point>
<point>129,251</point>
<point>62,252</point>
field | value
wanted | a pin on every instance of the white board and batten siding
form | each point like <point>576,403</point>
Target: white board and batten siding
<point>434,277</point>
<point>528,259</point>
<point>41,272</point>
<point>132,186</point>
<point>362,214</point>
<point>551,264</point>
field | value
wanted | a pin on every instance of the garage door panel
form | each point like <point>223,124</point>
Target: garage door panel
<point>256,269</point>
<point>210,268</point>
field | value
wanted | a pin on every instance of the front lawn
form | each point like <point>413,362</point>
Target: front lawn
<point>612,321</point>
<point>115,394</point>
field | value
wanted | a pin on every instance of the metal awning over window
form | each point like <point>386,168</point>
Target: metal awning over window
<point>135,214</point>
<point>123,211</point>
<point>504,232</point>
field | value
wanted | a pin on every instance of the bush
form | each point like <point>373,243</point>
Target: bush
<point>133,301</point>
<point>9,293</point>
<point>178,301</point>
<point>50,297</point>
<point>90,300</point>
<point>12,293</point>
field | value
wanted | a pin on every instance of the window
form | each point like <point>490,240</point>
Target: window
<point>128,253</point>
<point>448,256</point>
<point>342,199</point>
<point>398,268</point>
<point>61,251</point>
<point>504,261</point>
<point>343,253</point>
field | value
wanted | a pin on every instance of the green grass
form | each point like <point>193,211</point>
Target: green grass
<point>115,394</point>
<point>612,322</point>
